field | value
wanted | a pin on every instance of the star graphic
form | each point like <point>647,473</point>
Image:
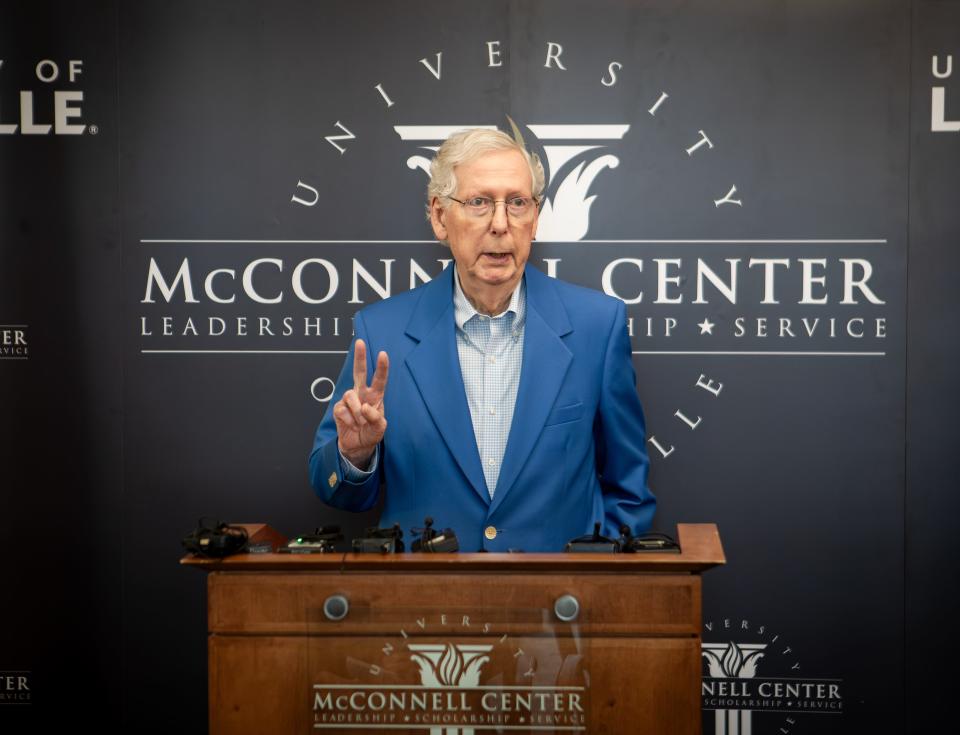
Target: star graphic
<point>706,326</point>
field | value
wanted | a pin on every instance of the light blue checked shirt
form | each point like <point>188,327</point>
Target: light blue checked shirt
<point>491,352</point>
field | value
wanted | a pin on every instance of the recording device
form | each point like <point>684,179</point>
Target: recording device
<point>646,542</point>
<point>323,540</point>
<point>215,539</point>
<point>432,541</point>
<point>593,543</point>
<point>380,541</point>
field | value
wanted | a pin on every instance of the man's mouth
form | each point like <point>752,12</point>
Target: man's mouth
<point>498,256</point>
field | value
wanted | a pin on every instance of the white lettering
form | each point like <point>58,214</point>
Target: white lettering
<point>321,381</point>
<point>692,424</point>
<point>552,266</point>
<point>664,280</point>
<point>666,453</point>
<point>704,140</point>
<point>417,275</point>
<point>727,198</point>
<point>493,54</point>
<point>553,54</point>
<point>613,74</point>
<point>606,280</point>
<point>333,280</point>
<point>154,276</point>
<point>332,139</point>
<point>208,285</point>
<point>304,202</point>
<point>708,386</point>
<point>938,119</point>
<point>849,282</point>
<point>63,112</point>
<point>806,270</point>
<point>248,280</point>
<point>52,75</point>
<point>383,94</point>
<point>728,291</point>
<point>769,267</point>
<point>935,67</point>
<point>663,96</point>
<point>435,72</point>
<point>27,126</point>
<point>383,290</point>
<point>312,326</point>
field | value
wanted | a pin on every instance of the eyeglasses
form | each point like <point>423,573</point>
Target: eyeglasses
<point>518,208</point>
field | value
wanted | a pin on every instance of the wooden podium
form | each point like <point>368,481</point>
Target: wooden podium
<point>457,644</point>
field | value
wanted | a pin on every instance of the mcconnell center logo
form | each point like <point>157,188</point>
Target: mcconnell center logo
<point>15,687</point>
<point>13,342</point>
<point>754,682</point>
<point>719,284</point>
<point>433,679</point>
<point>695,293</point>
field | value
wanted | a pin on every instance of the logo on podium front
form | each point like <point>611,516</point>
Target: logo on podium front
<point>430,682</point>
<point>755,683</point>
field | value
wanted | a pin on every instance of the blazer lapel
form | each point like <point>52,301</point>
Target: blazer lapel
<point>546,360</point>
<point>435,366</point>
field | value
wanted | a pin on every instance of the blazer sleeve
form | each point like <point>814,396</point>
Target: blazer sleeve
<point>620,435</point>
<point>326,471</point>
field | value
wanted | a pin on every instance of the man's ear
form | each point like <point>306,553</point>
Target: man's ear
<point>437,219</point>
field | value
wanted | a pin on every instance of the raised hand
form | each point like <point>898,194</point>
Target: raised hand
<point>359,413</point>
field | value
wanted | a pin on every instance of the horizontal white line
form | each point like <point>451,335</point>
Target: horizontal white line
<point>288,242</point>
<point>780,678</point>
<point>775,353</point>
<point>579,132</point>
<point>13,358</point>
<point>743,241</point>
<point>243,352</point>
<point>433,132</point>
<point>446,726</point>
<point>788,353</point>
<point>453,688</point>
<point>798,710</point>
<point>701,241</point>
<point>11,326</point>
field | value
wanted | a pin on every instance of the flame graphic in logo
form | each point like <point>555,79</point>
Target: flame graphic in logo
<point>449,664</point>
<point>733,660</point>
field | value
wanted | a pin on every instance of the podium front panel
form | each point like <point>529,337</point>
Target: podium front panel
<point>454,654</point>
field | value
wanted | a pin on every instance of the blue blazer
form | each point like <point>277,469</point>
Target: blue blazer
<point>576,450</point>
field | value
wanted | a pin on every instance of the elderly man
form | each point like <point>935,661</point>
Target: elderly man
<point>511,414</point>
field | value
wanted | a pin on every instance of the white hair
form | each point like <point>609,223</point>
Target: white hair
<point>466,146</point>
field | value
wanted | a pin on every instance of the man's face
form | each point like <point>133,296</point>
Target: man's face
<point>491,250</point>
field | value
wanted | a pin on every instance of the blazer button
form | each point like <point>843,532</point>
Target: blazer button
<point>490,532</point>
<point>332,480</point>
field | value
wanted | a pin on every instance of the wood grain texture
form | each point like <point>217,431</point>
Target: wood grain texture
<point>630,662</point>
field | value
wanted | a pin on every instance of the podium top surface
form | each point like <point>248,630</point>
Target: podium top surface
<point>699,543</point>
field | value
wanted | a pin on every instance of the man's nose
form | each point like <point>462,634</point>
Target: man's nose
<point>499,222</point>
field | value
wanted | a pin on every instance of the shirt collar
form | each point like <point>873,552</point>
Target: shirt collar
<point>463,310</point>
